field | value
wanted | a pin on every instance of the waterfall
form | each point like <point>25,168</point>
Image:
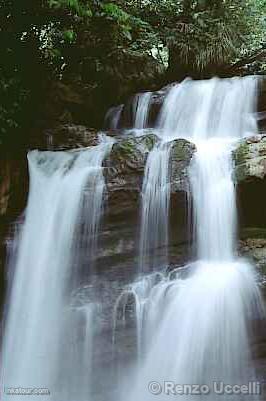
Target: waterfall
<point>198,319</point>
<point>141,110</point>
<point>185,326</point>
<point>63,185</point>
<point>155,209</point>
<point>214,200</point>
<point>221,108</point>
<point>113,117</point>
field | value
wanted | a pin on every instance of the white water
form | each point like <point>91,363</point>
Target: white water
<point>221,108</point>
<point>141,110</point>
<point>155,199</point>
<point>213,190</point>
<point>38,310</point>
<point>196,330</point>
<point>199,325</point>
<point>193,324</point>
<point>197,111</point>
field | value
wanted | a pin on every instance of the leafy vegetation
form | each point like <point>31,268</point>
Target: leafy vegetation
<point>99,43</point>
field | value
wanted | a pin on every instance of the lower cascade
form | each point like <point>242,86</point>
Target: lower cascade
<point>41,322</point>
<point>195,322</point>
<point>172,331</point>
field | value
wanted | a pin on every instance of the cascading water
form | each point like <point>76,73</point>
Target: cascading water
<point>155,209</point>
<point>221,108</point>
<point>138,109</point>
<point>193,324</point>
<point>39,325</point>
<point>214,199</point>
<point>199,323</point>
<point>141,110</point>
<point>113,117</point>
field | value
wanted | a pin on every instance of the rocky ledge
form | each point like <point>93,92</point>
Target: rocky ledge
<point>250,176</point>
<point>250,159</point>
<point>125,165</point>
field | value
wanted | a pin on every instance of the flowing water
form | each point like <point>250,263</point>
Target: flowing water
<point>155,209</point>
<point>191,325</point>
<point>195,323</point>
<point>62,186</point>
<point>141,110</point>
<point>113,117</point>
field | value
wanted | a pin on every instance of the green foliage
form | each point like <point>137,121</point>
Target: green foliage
<point>69,35</point>
<point>82,10</point>
<point>92,41</point>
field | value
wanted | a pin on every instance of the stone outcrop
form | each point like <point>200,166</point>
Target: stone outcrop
<point>181,154</point>
<point>124,171</point>
<point>64,137</point>
<point>252,245</point>
<point>250,159</point>
<point>250,176</point>
<point>126,164</point>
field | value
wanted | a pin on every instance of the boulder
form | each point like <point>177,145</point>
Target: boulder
<point>64,137</point>
<point>181,155</point>
<point>252,245</point>
<point>250,177</point>
<point>250,159</point>
<point>126,163</point>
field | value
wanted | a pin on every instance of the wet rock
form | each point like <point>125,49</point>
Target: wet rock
<point>124,176</point>
<point>64,137</point>
<point>250,176</point>
<point>126,164</point>
<point>252,245</point>
<point>250,159</point>
<point>181,154</point>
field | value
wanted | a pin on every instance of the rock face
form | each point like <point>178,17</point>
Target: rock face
<point>250,159</point>
<point>255,248</point>
<point>250,176</point>
<point>126,163</point>
<point>64,137</point>
<point>252,246</point>
<point>181,154</point>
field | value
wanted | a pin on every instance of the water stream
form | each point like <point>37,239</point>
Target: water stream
<point>196,322</point>
<point>39,307</point>
<point>191,325</point>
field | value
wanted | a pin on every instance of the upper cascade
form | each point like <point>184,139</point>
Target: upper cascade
<point>195,110</point>
<point>141,109</point>
<point>221,108</point>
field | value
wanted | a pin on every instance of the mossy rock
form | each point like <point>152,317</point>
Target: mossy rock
<point>250,159</point>
<point>181,154</point>
<point>131,153</point>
